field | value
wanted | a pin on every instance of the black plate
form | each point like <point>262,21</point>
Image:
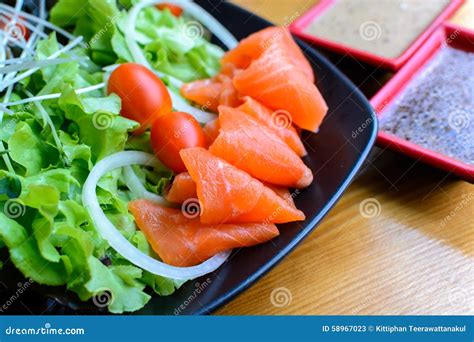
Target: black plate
<point>335,155</point>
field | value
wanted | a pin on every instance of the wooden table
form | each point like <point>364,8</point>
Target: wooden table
<point>415,257</point>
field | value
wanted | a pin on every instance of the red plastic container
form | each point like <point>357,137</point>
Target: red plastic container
<point>457,37</point>
<point>298,27</point>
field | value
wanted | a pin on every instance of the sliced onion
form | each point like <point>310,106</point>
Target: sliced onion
<point>171,80</point>
<point>181,105</point>
<point>137,188</point>
<point>117,241</point>
<point>212,24</point>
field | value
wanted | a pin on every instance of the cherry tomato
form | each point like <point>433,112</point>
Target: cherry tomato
<point>18,31</point>
<point>173,132</point>
<point>144,96</point>
<point>175,10</point>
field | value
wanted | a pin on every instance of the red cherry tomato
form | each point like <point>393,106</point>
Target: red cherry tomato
<point>144,96</point>
<point>16,31</point>
<point>175,10</point>
<point>173,132</point>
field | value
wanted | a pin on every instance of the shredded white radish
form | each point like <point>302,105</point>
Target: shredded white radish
<point>18,42</point>
<point>38,31</point>
<point>4,109</point>
<point>32,28</point>
<point>39,64</point>
<point>47,120</point>
<point>137,188</point>
<point>41,21</point>
<point>18,78</point>
<point>18,60</point>
<point>117,241</point>
<point>52,96</point>
<point>5,156</point>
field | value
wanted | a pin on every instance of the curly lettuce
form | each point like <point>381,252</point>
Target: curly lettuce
<point>49,235</point>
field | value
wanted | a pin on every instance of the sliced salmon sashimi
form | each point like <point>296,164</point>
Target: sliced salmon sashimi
<point>210,93</point>
<point>254,45</point>
<point>182,188</point>
<point>275,82</point>
<point>228,194</point>
<point>256,149</point>
<point>211,130</point>
<point>279,122</point>
<point>182,241</point>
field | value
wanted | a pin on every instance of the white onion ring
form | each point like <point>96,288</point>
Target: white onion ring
<point>116,240</point>
<point>211,23</point>
<point>208,20</point>
<point>137,188</point>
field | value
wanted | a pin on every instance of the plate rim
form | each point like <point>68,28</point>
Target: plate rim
<point>231,294</point>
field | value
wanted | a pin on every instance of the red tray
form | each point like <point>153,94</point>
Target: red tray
<point>456,37</point>
<point>298,27</point>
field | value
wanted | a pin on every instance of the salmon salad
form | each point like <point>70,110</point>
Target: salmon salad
<point>141,143</point>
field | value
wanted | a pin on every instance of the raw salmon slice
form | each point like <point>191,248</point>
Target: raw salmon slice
<point>182,188</point>
<point>254,45</point>
<point>275,82</point>
<point>278,121</point>
<point>205,93</point>
<point>229,95</point>
<point>211,130</point>
<point>227,194</point>
<point>182,241</point>
<point>210,93</point>
<point>250,146</point>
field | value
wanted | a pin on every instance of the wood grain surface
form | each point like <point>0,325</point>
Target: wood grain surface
<point>400,241</point>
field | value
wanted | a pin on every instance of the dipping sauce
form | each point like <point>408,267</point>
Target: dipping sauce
<point>382,27</point>
<point>436,109</point>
